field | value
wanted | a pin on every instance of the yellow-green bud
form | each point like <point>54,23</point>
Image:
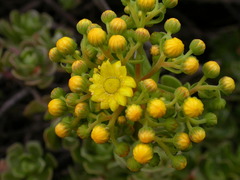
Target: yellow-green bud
<point>179,162</point>
<point>57,107</point>
<point>89,51</point>
<point>71,99</point>
<point>108,16</point>
<point>122,149</point>
<point>66,45</point>
<point>211,119</point>
<point>193,107</point>
<point>155,51</point>
<point>62,130</point>
<point>181,93</point>
<point>81,110</point>
<point>100,134</point>
<point>197,134</point>
<point>79,67</point>
<point>96,37</point>
<point>226,85</point>
<point>173,47</point>
<point>133,165</point>
<point>197,46</point>
<point>117,43</point>
<point>129,21</point>
<point>149,84</point>
<point>217,104</point>
<point>172,26</point>
<point>146,5</point>
<point>83,131</point>
<point>93,25</point>
<point>54,55</point>
<point>211,69</point>
<point>117,26</point>
<point>57,93</point>
<point>146,135</point>
<point>155,160</point>
<point>170,3</point>
<point>181,141</point>
<point>121,120</point>
<point>171,124</point>
<point>142,34</point>
<point>190,65</point>
<point>82,26</point>
<point>77,84</point>
<point>127,10</point>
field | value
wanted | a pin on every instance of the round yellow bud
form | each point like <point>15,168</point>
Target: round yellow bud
<point>142,34</point>
<point>66,45</point>
<point>150,85</point>
<point>197,134</point>
<point>133,112</point>
<point>100,134</point>
<point>117,26</point>
<point>57,93</point>
<point>146,5</point>
<point>79,67</point>
<point>146,135</point>
<point>172,25</point>
<point>173,47</point>
<point>154,50</point>
<point>107,16</point>
<point>181,141</point>
<point>192,107</point>
<point>82,26</point>
<point>181,93</point>
<point>226,84</point>
<point>156,108</point>
<point>117,43</point>
<point>54,55</point>
<point>197,46</point>
<point>62,130</point>
<point>142,153</point>
<point>121,120</point>
<point>77,84</point>
<point>96,37</point>
<point>57,107</point>
<point>190,65</point>
<point>81,110</point>
<point>211,69</point>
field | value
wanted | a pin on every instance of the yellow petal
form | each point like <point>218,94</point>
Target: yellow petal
<point>113,104</point>
<point>126,91</point>
<point>128,81</point>
<point>122,100</point>
<point>97,78</point>
<point>106,69</point>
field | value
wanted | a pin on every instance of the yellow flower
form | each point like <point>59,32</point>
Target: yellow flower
<point>100,134</point>
<point>66,45</point>
<point>57,107</point>
<point>197,134</point>
<point>117,43</point>
<point>146,135</point>
<point>154,51</point>
<point>111,85</point>
<point>142,153</point>
<point>192,107</point>
<point>133,112</point>
<point>191,65</point>
<point>77,84</point>
<point>181,141</point>
<point>173,47</point>
<point>156,108</point>
<point>96,36</point>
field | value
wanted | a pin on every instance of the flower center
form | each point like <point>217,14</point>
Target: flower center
<point>111,85</point>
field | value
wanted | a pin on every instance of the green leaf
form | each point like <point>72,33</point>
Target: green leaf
<point>34,148</point>
<point>170,81</point>
<point>8,176</point>
<point>34,107</point>
<point>70,143</point>
<point>52,141</point>
<point>51,160</point>
<point>15,148</point>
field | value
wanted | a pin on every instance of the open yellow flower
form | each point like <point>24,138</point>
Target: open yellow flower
<point>111,85</point>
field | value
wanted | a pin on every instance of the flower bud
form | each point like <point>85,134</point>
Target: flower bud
<point>83,131</point>
<point>192,107</point>
<point>197,134</point>
<point>100,134</point>
<point>79,67</point>
<point>211,69</point>
<point>190,65</point>
<point>146,135</point>
<point>54,55</point>
<point>216,104</point>
<point>57,107</point>
<point>142,153</point>
<point>133,112</point>
<point>92,26</point>
<point>122,149</point>
<point>117,43</point>
<point>81,110</point>
<point>77,84</point>
<point>154,50</point>
<point>146,5</point>
<point>90,51</point>
<point>57,93</point>
<point>172,26</point>
<point>127,9</point>
<point>154,161</point>
<point>133,165</point>
<point>211,119</point>
<point>117,26</point>
<point>66,45</point>
<point>156,108</point>
<point>149,84</point>
<point>71,99</point>
<point>108,16</point>
<point>181,93</point>
<point>97,37</point>
<point>226,85</point>
<point>170,3</point>
<point>142,35</point>
<point>197,46</point>
<point>181,141</point>
<point>171,124</point>
<point>121,120</point>
<point>82,26</point>
<point>173,47</point>
<point>179,162</point>
<point>62,130</point>
<point>129,21</point>
<point>155,37</point>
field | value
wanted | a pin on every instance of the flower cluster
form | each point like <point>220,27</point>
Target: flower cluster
<point>117,96</point>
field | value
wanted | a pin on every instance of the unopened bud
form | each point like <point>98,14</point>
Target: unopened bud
<point>170,3</point>
<point>181,141</point>
<point>149,84</point>
<point>142,34</point>
<point>57,93</point>
<point>179,162</point>
<point>155,160</point>
<point>57,107</point>
<point>173,47</point>
<point>54,55</point>
<point>97,37</point>
<point>133,165</point>
<point>83,131</point>
<point>117,43</point>
<point>81,110</point>
<point>66,45</point>
<point>77,84</point>
<point>108,16</point>
<point>211,69</point>
<point>62,130</point>
<point>122,149</point>
<point>79,67</point>
<point>172,26</point>
<point>197,134</point>
<point>117,26</point>
<point>211,119</point>
<point>190,65</point>
<point>226,85</point>
<point>197,46</point>
<point>82,26</point>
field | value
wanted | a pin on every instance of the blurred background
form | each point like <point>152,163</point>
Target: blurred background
<point>28,29</point>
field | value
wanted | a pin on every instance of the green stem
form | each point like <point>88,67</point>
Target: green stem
<point>197,122</point>
<point>134,13</point>
<point>107,53</point>
<point>172,102</point>
<point>131,52</point>
<point>195,89</point>
<point>164,147</point>
<point>83,98</point>
<point>189,126</point>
